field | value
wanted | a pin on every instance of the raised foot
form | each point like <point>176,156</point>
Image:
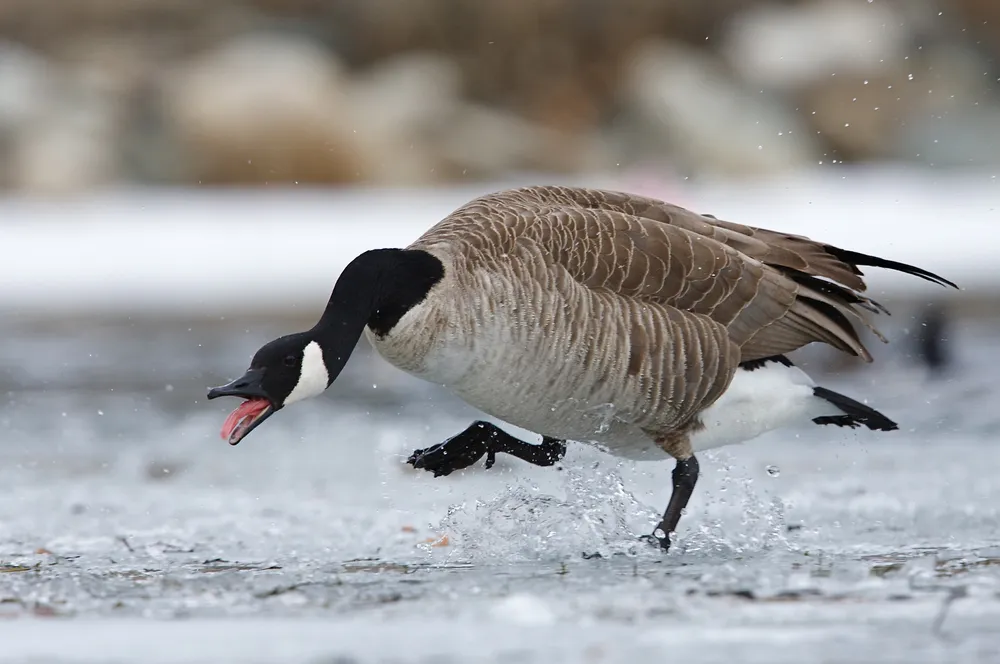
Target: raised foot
<point>483,438</point>
<point>442,459</point>
<point>456,453</point>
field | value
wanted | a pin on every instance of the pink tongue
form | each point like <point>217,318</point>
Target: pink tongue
<point>248,408</point>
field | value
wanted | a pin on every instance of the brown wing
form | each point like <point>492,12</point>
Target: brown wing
<point>774,292</point>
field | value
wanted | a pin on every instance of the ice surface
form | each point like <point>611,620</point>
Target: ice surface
<point>130,533</point>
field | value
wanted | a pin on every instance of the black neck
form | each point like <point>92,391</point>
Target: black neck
<point>376,289</point>
<point>405,278</point>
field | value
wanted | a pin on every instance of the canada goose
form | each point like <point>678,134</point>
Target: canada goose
<point>593,316</point>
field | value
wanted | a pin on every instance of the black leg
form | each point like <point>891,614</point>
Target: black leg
<point>482,438</point>
<point>685,477</point>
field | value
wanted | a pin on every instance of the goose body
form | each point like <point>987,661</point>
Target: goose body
<point>593,316</point>
<point>608,318</point>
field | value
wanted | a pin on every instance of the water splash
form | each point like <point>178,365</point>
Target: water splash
<point>756,522</point>
<point>595,514</point>
<point>591,511</point>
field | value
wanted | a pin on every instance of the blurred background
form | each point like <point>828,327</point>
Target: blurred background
<point>96,93</point>
<point>137,136</point>
<point>183,180</point>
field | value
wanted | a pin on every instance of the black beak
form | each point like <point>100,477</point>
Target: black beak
<point>247,386</point>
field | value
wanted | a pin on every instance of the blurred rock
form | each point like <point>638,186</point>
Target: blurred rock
<point>178,24</point>
<point>71,147</point>
<point>486,142</point>
<point>412,121</point>
<point>784,47</point>
<point>26,84</point>
<point>263,108</point>
<point>118,64</point>
<point>419,92</point>
<point>860,117</point>
<point>400,108</point>
<point>928,107</point>
<point>952,120</point>
<point>689,107</point>
<point>57,132</point>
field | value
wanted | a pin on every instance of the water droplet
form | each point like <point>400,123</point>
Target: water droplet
<point>773,471</point>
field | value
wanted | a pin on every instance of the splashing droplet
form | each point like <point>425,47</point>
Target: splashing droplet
<point>773,471</point>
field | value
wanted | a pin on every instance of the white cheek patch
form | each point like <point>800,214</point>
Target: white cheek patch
<point>313,376</point>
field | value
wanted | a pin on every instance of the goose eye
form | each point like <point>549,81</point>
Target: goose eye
<point>289,360</point>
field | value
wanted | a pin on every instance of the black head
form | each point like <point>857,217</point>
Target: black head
<point>283,371</point>
<point>376,290</point>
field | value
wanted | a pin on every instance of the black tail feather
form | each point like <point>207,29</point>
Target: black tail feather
<point>856,258</point>
<point>855,413</point>
<point>753,365</point>
<point>836,291</point>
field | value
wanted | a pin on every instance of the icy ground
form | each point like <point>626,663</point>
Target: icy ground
<point>129,532</point>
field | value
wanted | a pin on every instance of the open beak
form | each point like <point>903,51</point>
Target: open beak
<point>256,408</point>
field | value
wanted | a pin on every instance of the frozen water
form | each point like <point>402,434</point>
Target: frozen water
<point>124,511</point>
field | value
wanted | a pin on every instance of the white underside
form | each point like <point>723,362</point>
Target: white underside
<point>759,401</point>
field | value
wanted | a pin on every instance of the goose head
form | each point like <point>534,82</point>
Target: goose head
<point>375,290</point>
<point>283,371</point>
